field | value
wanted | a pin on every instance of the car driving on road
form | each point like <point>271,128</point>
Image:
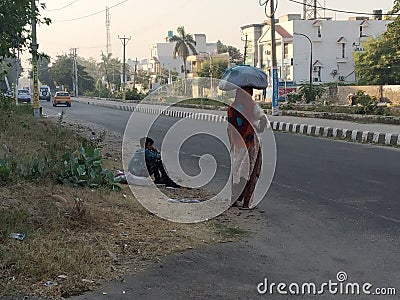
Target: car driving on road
<point>24,96</point>
<point>62,98</point>
<point>44,93</point>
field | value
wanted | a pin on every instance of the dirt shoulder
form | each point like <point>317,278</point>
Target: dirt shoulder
<point>77,238</point>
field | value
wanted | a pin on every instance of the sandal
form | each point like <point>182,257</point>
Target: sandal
<point>235,204</point>
<point>245,208</point>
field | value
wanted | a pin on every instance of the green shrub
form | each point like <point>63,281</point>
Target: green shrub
<point>5,172</point>
<point>6,102</point>
<point>293,97</point>
<point>311,93</point>
<point>29,169</point>
<point>202,101</point>
<point>288,106</point>
<point>367,104</point>
<point>130,95</point>
<point>84,168</point>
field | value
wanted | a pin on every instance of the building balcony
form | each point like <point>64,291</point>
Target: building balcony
<point>342,60</point>
<point>317,39</point>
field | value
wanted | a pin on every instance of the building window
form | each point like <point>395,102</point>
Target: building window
<point>317,74</point>
<point>361,31</point>
<point>319,31</point>
<point>286,51</point>
<point>343,50</point>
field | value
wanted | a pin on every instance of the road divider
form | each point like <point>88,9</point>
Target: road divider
<point>358,136</point>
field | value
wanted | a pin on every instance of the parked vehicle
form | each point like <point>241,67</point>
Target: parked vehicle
<point>24,96</point>
<point>44,93</point>
<point>62,98</point>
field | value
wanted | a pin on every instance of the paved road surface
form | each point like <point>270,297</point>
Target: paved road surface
<point>376,127</point>
<point>333,206</point>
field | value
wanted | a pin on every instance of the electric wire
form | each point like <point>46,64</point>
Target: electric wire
<point>265,4</point>
<point>90,15</point>
<point>343,11</point>
<point>55,9</point>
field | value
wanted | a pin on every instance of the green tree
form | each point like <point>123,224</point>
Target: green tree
<point>379,63</point>
<point>218,68</point>
<point>61,71</point>
<point>165,74</point>
<point>234,53</point>
<point>8,68</point>
<point>61,74</point>
<point>311,93</point>
<point>184,45</point>
<point>44,74</point>
<point>15,16</point>
<point>144,78</point>
<point>91,66</point>
<point>110,70</point>
<point>86,82</point>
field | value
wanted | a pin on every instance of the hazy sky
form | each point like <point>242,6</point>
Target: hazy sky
<point>148,21</point>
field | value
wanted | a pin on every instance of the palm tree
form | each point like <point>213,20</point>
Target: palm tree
<point>109,68</point>
<point>104,67</point>
<point>184,44</point>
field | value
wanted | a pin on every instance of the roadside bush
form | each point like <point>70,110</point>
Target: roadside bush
<point>6,102</point>
<point>130,95</point>
<point>202,101</point>
<point>28,169</point>
<point>84,168</point>
<point>293,97</point>
<point>287,106</point>
<point>265,105</point>
<point>368,105</point>
<point>5,172</point>
<point>363,99</point>
<point>311,93</point>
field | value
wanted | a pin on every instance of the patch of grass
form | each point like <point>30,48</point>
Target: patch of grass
<point>230,233</point>
<point>101,236</point>
<point>13,221</point>
<point>382,111</point>
<point>79,232</point>
<point>202,101</point>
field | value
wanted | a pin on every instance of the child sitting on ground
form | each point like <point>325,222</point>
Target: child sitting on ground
<point>147,162</point>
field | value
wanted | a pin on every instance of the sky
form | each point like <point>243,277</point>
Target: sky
<point>148,21</point>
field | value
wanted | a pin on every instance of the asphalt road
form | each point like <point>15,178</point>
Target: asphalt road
<point>333,206</point>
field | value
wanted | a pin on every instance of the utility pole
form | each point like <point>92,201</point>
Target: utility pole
<point>245,50</point>
<point>108,23</point>
<point>124,41</point>
<point>311,57</point>
<point>75,71</point>
<point>35,73</point>
<point>275,83</point>
<point>135,74</point>
<point>15,84</point>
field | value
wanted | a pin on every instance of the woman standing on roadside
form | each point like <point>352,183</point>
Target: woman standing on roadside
<point>245,117</point>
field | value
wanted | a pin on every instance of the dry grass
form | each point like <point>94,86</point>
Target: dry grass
<point>102,236</point>
<point>82,234</point>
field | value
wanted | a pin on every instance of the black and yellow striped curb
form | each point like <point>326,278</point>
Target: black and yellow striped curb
<point>311,130</point>
<point>338,133</point>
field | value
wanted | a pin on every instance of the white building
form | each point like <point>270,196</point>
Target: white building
<point>161,54</point>
<point>333,45</point>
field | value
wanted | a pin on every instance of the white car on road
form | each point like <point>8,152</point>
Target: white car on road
<point>24,96</point>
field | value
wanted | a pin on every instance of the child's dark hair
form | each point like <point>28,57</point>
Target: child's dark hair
<point>146,141</point>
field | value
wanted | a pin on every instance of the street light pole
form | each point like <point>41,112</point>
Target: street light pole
<point>124,41</point>
<point>210,72</point>
<point>35,75</point>
<point>311,51</point>
<point>275,82</point>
